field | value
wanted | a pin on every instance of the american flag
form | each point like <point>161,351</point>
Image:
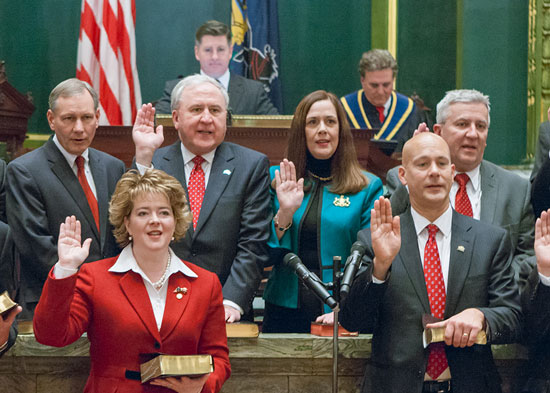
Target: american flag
<point>107,58</point>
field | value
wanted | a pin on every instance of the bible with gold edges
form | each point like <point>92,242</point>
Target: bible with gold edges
<point>176,366</point>
<point>6,303</point>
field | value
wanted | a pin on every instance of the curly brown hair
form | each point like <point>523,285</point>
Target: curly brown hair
<point>132,185</point>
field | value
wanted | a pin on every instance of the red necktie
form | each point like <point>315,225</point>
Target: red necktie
<point>92,201</point>
<point>196,189</point>
<point>381,116</point>
<point>462,201</point>
<point>437,360</point>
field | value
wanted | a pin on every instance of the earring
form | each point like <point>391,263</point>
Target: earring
<point>173,238</point>
<point>130,238</point>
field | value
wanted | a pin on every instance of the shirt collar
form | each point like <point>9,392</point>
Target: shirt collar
<point>474,177</point>
<point>224,79</point>
<point>126,262</point>
<point>68,156</point>
<point>443,222</point>
<point>188,156</point>
<point>387,105</point>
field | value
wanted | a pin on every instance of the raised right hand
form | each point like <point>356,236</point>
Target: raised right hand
<point>290,193</point>
<point>386,237</point>
<point>71,253</point>
<point>422,127</point>
<point>542,243</point>
<point>146,140</point>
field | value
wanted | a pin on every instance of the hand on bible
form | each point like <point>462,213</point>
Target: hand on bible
<point>145,138</point>
<point>72,253</point>
<point>461,329</point>
<point>182,384</point>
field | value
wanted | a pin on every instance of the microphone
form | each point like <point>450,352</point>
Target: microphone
<point>309,279</point>
<point>351,267</point>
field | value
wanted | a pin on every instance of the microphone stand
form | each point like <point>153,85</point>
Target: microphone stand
<point>336,280</point>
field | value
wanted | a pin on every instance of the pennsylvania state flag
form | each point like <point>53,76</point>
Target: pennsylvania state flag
<point>255,29</point>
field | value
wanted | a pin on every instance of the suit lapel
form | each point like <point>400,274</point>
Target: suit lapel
<point>172,163</point>
<point>175,307</point>
<point>410,257</point>
<point>489,193</point>
<point>66,176</point>
<point>462,243</point>
<point>234,91</point>
<point>220,173</point>
<point>99,173</point>
<point>136,293</point>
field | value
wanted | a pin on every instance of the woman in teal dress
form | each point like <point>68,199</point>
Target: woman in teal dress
<point>321,198</point>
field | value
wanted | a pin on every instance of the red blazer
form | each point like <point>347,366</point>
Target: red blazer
<point>115,310</point>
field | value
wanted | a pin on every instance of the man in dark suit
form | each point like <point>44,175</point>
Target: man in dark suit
<point>496,196</point>
<point>377,105</point>
<point>535,300</point>
<point>432,260</point>
<point>63,177</point>
<point>232,214</point>
<point>213,50</point>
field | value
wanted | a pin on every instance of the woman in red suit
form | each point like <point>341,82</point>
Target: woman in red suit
<point>145,300</point>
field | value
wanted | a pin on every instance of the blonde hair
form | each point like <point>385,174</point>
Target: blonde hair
<point>132,185</point>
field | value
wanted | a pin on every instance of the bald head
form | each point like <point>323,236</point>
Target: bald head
<point>415,145</point>
<point>428,173</point>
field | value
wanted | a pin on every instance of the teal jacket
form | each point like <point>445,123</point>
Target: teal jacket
<point>338,227</point>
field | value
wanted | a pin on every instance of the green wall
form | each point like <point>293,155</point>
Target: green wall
<point>494,60</point>
<point>426,49</point>
<point>321,44</point>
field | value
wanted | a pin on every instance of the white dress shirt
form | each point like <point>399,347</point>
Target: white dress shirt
<point>127,262</point>
<point>224,79</point>
<point>71,160</point>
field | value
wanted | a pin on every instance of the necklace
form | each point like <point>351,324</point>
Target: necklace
<point>319,177</point>
<point>158,284</point>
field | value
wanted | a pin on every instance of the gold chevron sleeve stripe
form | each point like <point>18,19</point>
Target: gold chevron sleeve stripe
<point>360,101</point>
<point>402,120</point>
<point>349,112</point>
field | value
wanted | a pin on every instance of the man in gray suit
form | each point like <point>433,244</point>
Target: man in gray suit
<point>44,187</point>
<point>232,214</point>
<point>497,196</point>
<point>432,261</point>
<point>213,50</point>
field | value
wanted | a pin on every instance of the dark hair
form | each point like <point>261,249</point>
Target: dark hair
<point>214,28</point>
<point>346,172</point>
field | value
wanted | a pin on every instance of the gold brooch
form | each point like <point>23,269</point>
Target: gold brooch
<point>341,201</point>
<point>180,292</point>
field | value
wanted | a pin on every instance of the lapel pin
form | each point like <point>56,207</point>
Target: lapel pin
<point>226,172</point>
<point>460,248</point>
<point>180,292</point>
<point>341,201</point>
